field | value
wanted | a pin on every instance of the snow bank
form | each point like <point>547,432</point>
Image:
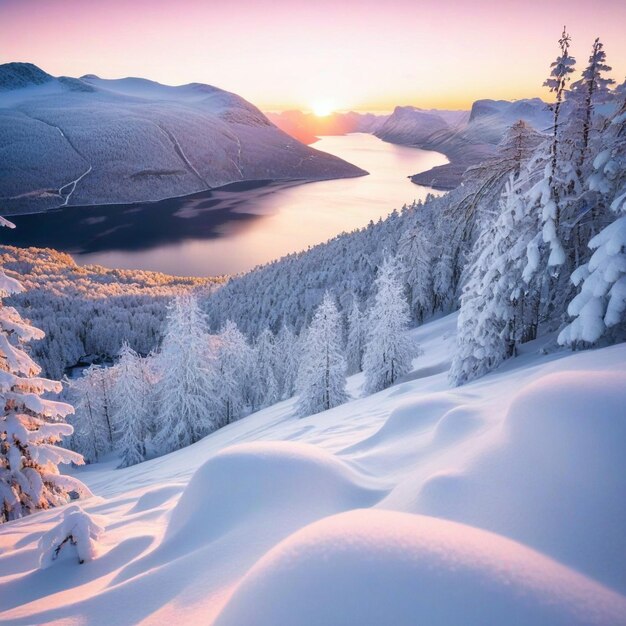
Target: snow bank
<point>557,478</point>
<point>276,483</point>
<point>409,418</point>
<point>380,567</point>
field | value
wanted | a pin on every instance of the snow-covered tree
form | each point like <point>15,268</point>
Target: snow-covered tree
<point>103,381</point>
<point>77,532</point>
<point>287,344</point>
<point>30,426</point>
<point>416,255</point>
<point>92,396</point>
<point>388,352</point>
<point>185,391</point>
<point>148,369</point>
<point>89,437</point>
<point>600,305</point>
<point>570,211</point>
<point>130,408</point>
<point>496,304</point>
<point>550,197</point>
<point>593,87</point>
<point>355,345</point>
<point>233,356</point>
<point>321,382</point>
<point>516,149</point>
<point>443,282</point>
<point>472,207</point>
<point>267,390</point>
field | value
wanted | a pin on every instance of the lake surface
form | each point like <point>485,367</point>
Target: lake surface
<point>235,228</point>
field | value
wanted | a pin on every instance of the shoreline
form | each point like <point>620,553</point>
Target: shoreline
<point>233,186</point>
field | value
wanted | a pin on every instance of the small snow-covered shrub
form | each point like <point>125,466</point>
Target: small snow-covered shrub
<point>76,529</point>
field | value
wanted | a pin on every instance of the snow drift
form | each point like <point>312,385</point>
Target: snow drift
<point>379,567</point>
<point>570,428</point>
<point>271,483</point>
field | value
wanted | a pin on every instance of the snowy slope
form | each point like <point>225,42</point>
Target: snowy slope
<point>105,141</point>
<point>501,502</point>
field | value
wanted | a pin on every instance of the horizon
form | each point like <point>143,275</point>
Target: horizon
<point>339,64</point>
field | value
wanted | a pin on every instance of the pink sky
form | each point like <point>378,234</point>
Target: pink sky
<point>371,54</point>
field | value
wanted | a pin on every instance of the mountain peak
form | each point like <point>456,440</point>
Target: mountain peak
<point>19,75</point>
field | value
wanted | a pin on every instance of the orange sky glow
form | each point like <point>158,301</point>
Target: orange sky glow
<point>308,54</point>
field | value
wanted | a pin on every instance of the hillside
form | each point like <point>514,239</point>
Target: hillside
<point>424,503</point>
<point>113,141</point>
<point>465,139</point>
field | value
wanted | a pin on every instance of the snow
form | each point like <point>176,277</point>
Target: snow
<point>245,485</point>
<point>130,140</point>
<point>466,139</point>
<point>497,502</point>
<point>569,427</point>
<point>77,532</point>
<point>381,567</point>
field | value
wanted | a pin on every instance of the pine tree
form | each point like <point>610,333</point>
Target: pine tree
<point>551,198</point>
<point>593,87</point>
<point>91,396</point>
<point>388,352</point>
<point>130,410</point>
<point>600,305</point>
<point>355,345</point>
<point>186,402</point>
<point>149,374</point>
<point>321,380</point>
<point>267,387</point>
<point>103,380</point>
<point>516,149</point>
<point>287,349</point>
<point>415,252</point>
<point>495,308</point>
<point>443,285</point>
<point>30,426</point>
<point>233,358</point>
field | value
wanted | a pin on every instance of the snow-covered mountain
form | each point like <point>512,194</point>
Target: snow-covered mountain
<point>413,126</point>
<point>420,504</point>
<point>465,138</point>
<point>70,141</point>
<point>489,119</point>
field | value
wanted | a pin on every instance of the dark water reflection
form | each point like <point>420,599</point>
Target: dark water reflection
<point>237,227</point>
<point>84,230</point>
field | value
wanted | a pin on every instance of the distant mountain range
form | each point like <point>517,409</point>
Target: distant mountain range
<point>79,141</point>
<point>307,127</point>
<point>466,138</point>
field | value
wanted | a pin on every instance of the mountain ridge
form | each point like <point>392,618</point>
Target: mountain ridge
<point>466,141</point>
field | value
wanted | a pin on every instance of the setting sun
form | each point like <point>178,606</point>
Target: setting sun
<point>322,108</point>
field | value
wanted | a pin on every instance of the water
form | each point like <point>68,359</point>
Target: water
<point>235,228</point>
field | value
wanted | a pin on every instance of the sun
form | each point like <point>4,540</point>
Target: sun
<point>322,108</point>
